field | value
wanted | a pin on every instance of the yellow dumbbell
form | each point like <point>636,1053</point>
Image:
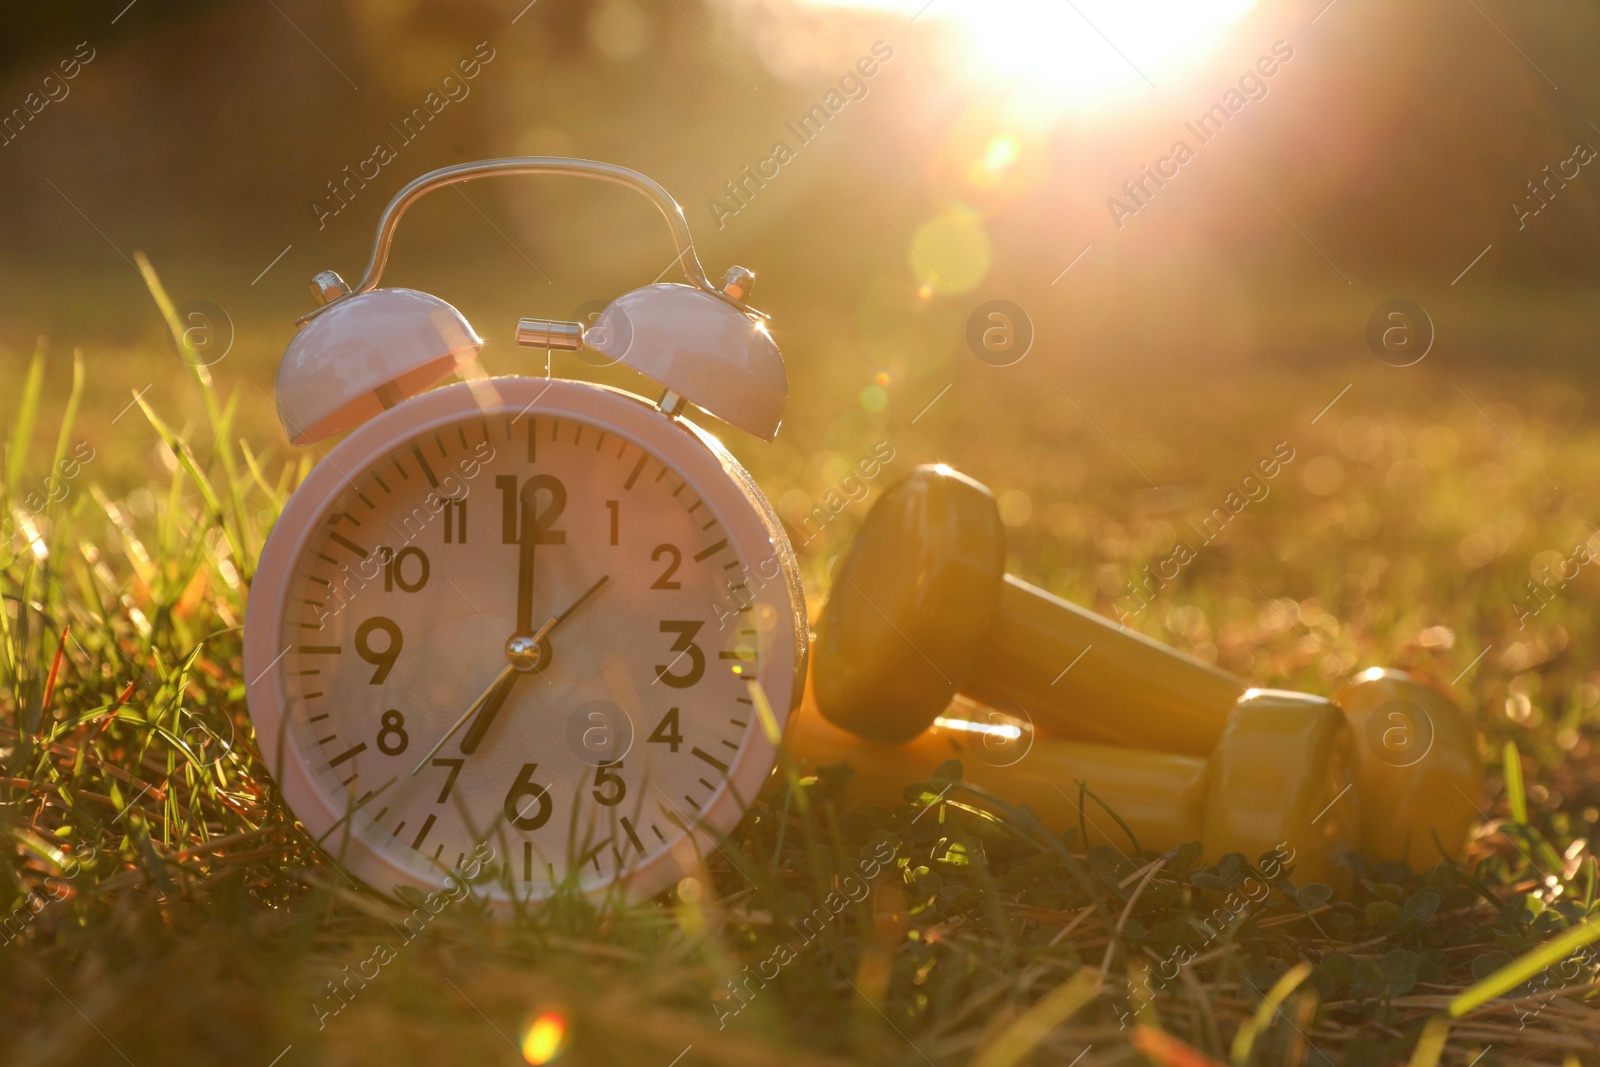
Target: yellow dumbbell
<point>921,609</point>
<point>1279,778</point>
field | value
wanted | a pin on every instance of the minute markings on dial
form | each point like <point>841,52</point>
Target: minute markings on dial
<point>633,476</point>
<point>345,542</point>
<point>411,822</point>
<point>702,754</point>
<point>427,471</point>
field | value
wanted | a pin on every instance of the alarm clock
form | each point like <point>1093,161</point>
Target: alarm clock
<point>526,632</point>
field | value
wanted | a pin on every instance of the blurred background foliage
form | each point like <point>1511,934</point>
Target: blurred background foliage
<point>1384,157</point>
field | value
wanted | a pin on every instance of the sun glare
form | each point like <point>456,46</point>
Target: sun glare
<point>1086,54</point>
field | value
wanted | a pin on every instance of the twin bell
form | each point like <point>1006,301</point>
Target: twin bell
<point>366,349</point>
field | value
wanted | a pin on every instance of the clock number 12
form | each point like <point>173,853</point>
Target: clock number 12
<point>512,508</point>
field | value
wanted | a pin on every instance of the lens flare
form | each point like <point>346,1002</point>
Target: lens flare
<point>950,253</point>
<point>1004,731</point>
<point>545,1037</point>
<point>1001,153</point>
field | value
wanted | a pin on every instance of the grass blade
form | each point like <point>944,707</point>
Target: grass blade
<point>1431,1044</point>
<point>1246,1037</point>
<point>186,462</point>
<point>1524,967</point>
<point>27,415</point>
<point>1167,1050</point>
<point>1053,1009</point>
<point>1515,794</point>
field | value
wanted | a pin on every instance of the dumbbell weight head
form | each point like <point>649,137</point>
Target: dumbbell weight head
<point>910,606</point>
<point>1417,762</point>
<point>1277,779</point>
<point>921,608</point>
<point>1285,767</point>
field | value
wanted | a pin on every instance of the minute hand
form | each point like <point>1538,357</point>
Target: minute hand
<point>576,604</point>
<point>502,689</point>
<point>500,680</point>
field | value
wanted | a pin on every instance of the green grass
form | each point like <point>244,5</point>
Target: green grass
<point>171,911</point>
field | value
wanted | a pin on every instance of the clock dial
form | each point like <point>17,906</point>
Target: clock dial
<point>525,629</point>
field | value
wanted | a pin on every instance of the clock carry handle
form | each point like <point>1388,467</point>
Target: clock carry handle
<point>582,168</point>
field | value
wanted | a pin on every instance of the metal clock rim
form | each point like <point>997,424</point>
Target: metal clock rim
<point>727,491</point>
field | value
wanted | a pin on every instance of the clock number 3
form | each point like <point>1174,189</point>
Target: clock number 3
<point>517,808</point>
<point>683,646</point>
<point>381,658</point>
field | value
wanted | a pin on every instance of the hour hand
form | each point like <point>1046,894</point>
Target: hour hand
<point>485,718</point>
<point>527,654</point>
<point>505,674</point>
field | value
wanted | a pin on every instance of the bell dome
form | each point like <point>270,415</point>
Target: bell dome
<point>701,347</point>
<point>365,353</point>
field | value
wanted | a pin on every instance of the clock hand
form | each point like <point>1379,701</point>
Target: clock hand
<point>525,548</point>
<point>585,595</point>
<point>523,647</point>
<point>496,697</point>
<point>491,707</point>
<point>493,686</point>
<point>499,687</point>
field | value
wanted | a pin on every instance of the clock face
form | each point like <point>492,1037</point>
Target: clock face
<point>534,628</point>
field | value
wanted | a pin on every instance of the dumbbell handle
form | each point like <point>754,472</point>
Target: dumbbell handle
<point>1062,663</point>
<point>1272,780</point>
<point>1158,794</point>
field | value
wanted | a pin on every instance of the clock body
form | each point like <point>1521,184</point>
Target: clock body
<point>670,613</point>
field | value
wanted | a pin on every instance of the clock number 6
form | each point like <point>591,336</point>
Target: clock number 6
<point>683,646</point>
<point>515,807</point>
<point>381,658</point>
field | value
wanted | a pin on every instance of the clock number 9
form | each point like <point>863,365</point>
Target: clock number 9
<point>381,658</point>
<point>683,646</point>
<point>524,787</point>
